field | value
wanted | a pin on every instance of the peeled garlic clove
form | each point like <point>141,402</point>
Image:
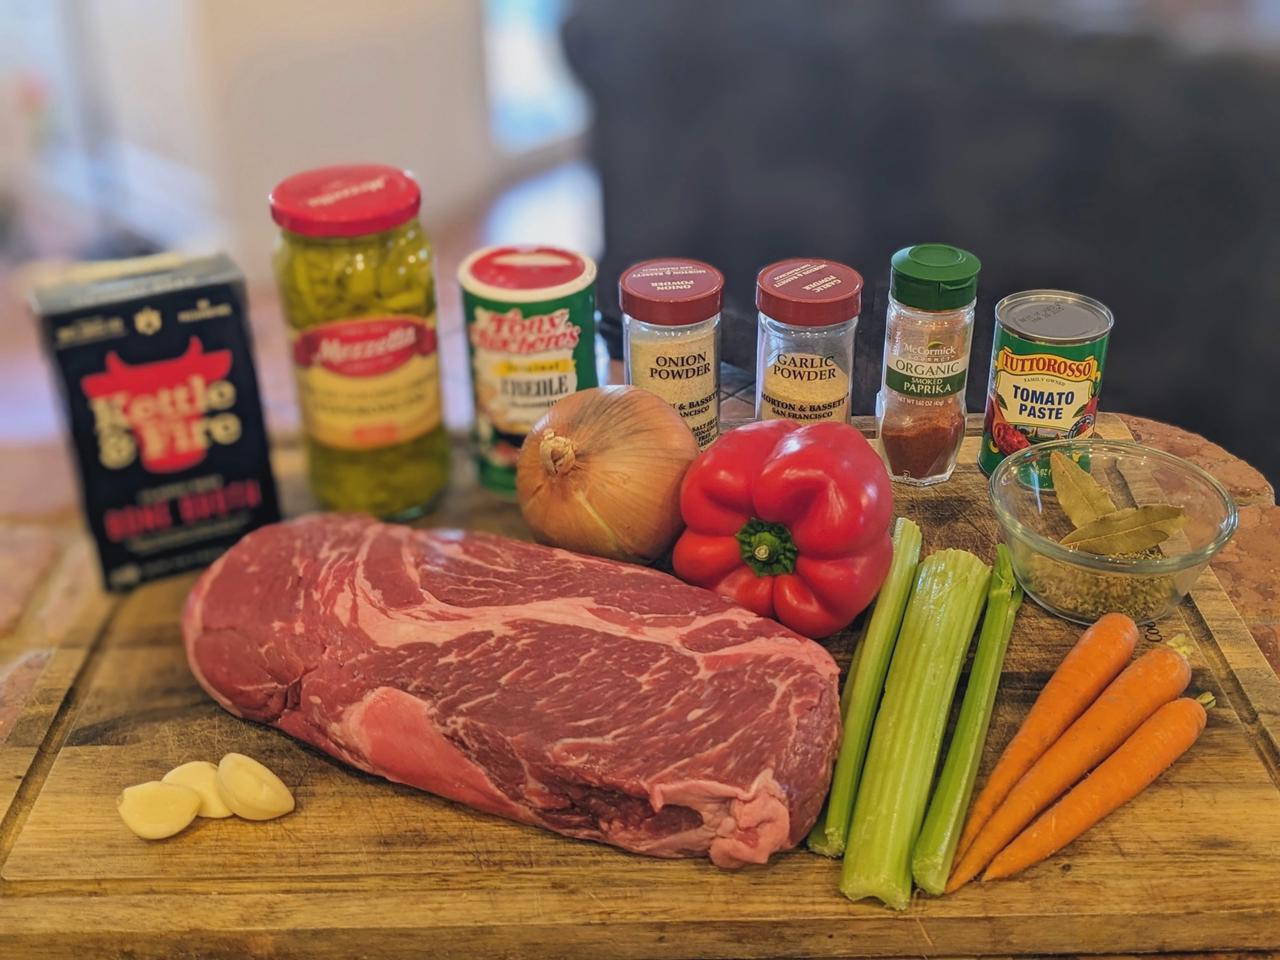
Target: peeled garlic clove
<point>251,790</point>
<point>156,810</point>
<point>202,777</point>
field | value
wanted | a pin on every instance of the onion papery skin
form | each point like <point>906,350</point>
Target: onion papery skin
<point>600,474</point>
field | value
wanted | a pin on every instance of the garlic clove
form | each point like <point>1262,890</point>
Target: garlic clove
<point>251,790</point>
<point>202,777</point>
<point>155,810</point>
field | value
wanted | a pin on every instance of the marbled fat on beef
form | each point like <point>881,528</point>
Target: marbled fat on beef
<point>597,699</point>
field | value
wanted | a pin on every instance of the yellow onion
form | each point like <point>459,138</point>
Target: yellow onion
<point>600,473</point>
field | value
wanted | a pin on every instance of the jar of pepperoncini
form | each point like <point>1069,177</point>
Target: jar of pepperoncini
<point>354,271</point>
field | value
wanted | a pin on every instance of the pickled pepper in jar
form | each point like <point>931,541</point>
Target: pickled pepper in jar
<point>354,270</point>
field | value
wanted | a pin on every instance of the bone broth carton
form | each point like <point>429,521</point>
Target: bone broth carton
<point>153,360</point>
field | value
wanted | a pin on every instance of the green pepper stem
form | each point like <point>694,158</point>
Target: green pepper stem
<point>767,548</point>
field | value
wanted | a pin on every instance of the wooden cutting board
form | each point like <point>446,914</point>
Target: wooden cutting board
<point>365,868</point>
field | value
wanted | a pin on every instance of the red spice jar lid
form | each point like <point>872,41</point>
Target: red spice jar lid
<point>349,200</point>
<point>671,291</point>
<point>809,292</point>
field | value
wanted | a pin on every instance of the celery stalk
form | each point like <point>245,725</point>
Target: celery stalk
<point>817,839</point>
<point>936,846</point>
<point>949,593</point>
<point>862,689</point>
<point>846,692</point>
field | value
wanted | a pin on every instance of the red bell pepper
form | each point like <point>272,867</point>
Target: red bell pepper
<point>790,521</point>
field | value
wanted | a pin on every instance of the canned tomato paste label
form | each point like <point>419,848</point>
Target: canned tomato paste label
<point>370,382</point>
<point>154,363</point>
<point>1046,371</point>
<point>530,315</point>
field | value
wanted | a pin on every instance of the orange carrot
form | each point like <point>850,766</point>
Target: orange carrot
<point>1148,683</point>
<point>1152,750</point>
<point>1098,656</point>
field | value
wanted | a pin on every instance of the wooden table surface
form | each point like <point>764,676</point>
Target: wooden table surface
<point>63,716</point>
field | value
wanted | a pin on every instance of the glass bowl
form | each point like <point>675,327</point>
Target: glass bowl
<point>1082,586</point>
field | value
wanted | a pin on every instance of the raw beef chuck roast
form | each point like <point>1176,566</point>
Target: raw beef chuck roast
<point>597,699</point>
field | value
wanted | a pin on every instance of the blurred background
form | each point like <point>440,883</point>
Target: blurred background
<point>1126,149</point>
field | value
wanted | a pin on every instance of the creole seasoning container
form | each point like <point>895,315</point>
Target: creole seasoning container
<point>804,348</point>
<point>530,314</point>
<point>671,326</point>
<point>354,271</point>
<point>928,326</point>
<point>1046,371</point>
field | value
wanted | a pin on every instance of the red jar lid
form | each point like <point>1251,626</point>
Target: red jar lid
<point>808,292</point>
<point>526,272</point>
<point>671,291</point>
<point>350,200</point>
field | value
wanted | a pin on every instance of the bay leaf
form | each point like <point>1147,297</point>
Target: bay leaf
<point>1081,497</point>
<point>1129,530</point>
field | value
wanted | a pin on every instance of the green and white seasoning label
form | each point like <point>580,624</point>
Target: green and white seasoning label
<point>927,372</point>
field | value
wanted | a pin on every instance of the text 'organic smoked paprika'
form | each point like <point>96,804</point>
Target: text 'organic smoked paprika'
<point>928,326</point>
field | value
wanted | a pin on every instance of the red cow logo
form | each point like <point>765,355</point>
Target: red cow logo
<point>167,412</point>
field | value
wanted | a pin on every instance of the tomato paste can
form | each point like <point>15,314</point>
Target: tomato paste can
<point>530,316</point>
<point>1047,357</point>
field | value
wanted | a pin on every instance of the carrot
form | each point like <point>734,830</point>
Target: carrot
<point>1153,748</point>
<point>1148,683</point>
<point>1100,653</point>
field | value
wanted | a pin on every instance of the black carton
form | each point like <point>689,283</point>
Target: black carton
<point>156,373</point>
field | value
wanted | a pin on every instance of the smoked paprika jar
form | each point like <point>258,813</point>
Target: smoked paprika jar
<point>920,412</point>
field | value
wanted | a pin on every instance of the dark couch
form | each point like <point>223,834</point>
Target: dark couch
<point>1117,162</point>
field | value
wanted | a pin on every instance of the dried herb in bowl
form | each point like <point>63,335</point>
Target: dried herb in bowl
<point>1132,530</point>
<point>1080,496</point>
<point>1103,529</point>
<point>1091,593</point>
<point>1127,530</point>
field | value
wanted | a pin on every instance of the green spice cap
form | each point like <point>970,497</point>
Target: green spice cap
<point>934,276</point>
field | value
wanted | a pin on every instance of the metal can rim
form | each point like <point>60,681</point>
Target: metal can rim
<point>1097,307</point>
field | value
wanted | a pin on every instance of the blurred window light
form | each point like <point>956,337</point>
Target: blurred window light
<point>534,99</point>
<point>562,206</point>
